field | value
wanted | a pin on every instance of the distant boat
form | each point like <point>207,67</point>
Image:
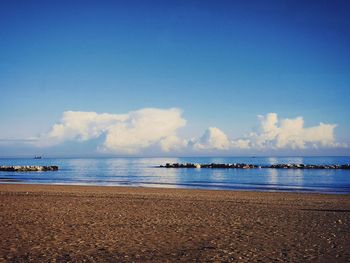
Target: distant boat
<point>37,157</point>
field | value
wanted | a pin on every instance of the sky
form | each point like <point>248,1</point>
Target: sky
<point>174,78</point>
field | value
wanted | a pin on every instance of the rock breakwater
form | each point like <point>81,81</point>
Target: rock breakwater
<point>250,166</point>
<point>28,168</point>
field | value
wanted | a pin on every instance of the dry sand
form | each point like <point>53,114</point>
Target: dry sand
<point>114,224</point>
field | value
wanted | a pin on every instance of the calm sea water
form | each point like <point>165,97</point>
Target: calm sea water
<point>142,172</point>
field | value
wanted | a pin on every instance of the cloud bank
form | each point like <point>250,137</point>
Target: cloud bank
<point>135,131</point>
<point>124,133</point>
<point>272,133</point>
<point>288,133</point>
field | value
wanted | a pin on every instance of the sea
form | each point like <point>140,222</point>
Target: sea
<point>145,172</point>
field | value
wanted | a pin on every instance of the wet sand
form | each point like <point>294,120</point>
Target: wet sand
<point>117,224</point>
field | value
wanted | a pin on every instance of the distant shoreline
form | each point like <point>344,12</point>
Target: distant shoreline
<point>170,157</point>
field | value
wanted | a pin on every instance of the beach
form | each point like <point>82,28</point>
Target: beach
<point>54,223</point>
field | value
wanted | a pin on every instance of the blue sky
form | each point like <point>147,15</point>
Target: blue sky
<point>221,63</point>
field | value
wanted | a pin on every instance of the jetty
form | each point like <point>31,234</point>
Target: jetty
<point>28,168</point>
<point>251,166</point>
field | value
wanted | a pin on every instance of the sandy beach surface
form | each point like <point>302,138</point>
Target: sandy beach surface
<point>42,223</point>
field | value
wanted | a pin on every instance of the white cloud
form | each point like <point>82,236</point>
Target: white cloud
<point>241,144</point>
<point>144,128</point>
<point>157,128</point>
<point>124,133</point>
<point>288,133</point>
<point>271,134</point>
<point>81,126</point>
<point>213,138</point>
<point>172,142</point>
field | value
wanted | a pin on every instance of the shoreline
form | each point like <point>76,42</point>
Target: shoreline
<point>204,189</point>
<point>114,188</point>
<point>42,223</point>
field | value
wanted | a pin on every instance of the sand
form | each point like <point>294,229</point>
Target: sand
<point>116,224</point>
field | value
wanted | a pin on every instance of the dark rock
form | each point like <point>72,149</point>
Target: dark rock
<point>28,168</point>
<point>250,166</point>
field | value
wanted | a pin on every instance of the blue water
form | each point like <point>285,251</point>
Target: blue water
<point>142,172</point>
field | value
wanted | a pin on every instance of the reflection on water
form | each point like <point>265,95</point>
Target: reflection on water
<point>144,172</point>
<point>295,176</point>
<point>217,175</point>
<point>272,176</point>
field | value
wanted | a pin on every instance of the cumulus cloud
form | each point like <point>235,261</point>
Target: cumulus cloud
<point>172,142</point>
<point>143,128</point>
<point>124,133</point>
<point>148,128</point>
<point>241,144</point>
<point>272,133</point>
<point>81,126</point>
<point>287,133</point>
<point>213,138</point>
